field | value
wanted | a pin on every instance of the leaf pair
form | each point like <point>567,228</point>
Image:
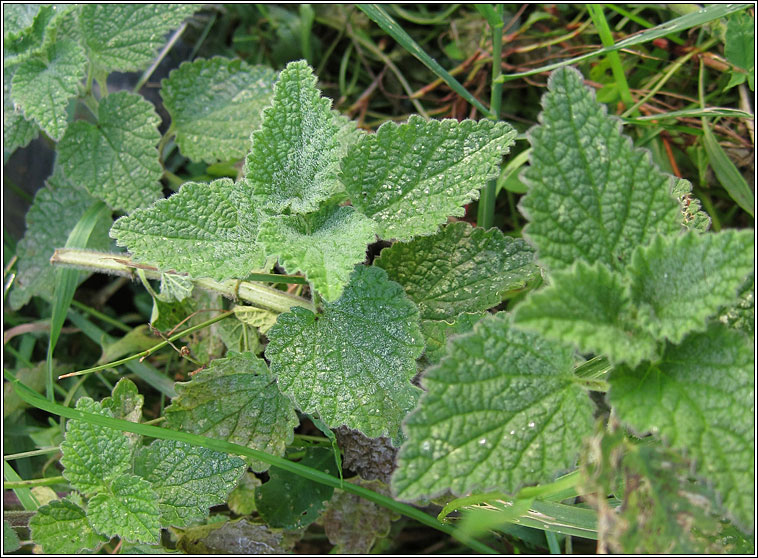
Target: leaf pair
<point>304,161</point>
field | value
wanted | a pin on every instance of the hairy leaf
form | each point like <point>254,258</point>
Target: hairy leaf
<point>17,130</point>
<point>291,501</point>
<point>11,541</point>
<point>61,527</point>
<point>215,104</point>
<point>678,282</point>
<point>92,455</point>
<point>239,336</point>
<point>235,537</point>
<point>207,230</point>
<point>18,18</point>
<point>590,307</point>
<point>664,511</point>
<point>261,319</point>
<point>117,159</point>
<point>187,479</point>
<point>55,211</point>
<point>175,288</point>
<point>235,399</point>
<point>125,401</point>
<point>295,153</point>
<point>410,177</point>
<point>325,245</point>
<point>501,410</point>
<point>460,269</point>
<point>700,397</point>
<point>125,37</point>
<point>437,332</point>
<point>353,364</point>
<point>29,28</point>
<point>42,85</point>
<point>129,510</point>
<point>353,523</point>
<point>741,314</point>
<point>693,217</point>
<point>592,196</point>
<point>371,458</point>
<point>242,499</point>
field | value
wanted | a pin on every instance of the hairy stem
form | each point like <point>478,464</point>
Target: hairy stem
<point>251,292</point>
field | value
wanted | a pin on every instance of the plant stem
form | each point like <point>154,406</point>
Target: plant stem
<point>486,212</point>
<point>606,37</point>
<point>152,349</point>
<point>49,481</point>
<point>251,292</point>
<point>169,45</point>
<point>32,453</point>
<point>34,399</point>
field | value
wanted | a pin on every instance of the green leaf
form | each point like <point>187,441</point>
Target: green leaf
<point>437,332</point>
<point>459,269</point>
<point>741,314</point>
<point>261,319</point>
<point>187,479</point>
<point>235,399</point>
<point>663,510</point>
<point>242,499</point>
<point>592,196</point>
<point>56,209</point>
<point>324,245</point>
<point>589,306</point>
<point>92,455</point>
<point>125,401</point>
<point>239,336</point>
<point>693,218</point>
<point>43,85</point>
<point>353,364</point>
<point>295,154</point>
<point>18,18</point>
<point>235,537</point>
<point>10,538</point>
<point>739,47</point>
<point>410,177</point>
<point>175,288</point>
<point>61,527</point>
<point>352,523</point>
<point>518,416</point>
<point>181,233</point>
<point>17,130</point>
<point>129,510</point>
<point>125,37</point>
<point>700,397</point>
<point>676,283</point>
<point>27,28</point>
<point>727,172</point>
<point>215,104</point>
<point>117,159</point>
<point>290,501</point>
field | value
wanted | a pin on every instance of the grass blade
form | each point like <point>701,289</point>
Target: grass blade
<point>709,13</point>
<point>728,175</point>
<point>390,26</point>
<point>66,281</point>
<point>25,496</point>
<point>34,399</point>
<point>606,37</point>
